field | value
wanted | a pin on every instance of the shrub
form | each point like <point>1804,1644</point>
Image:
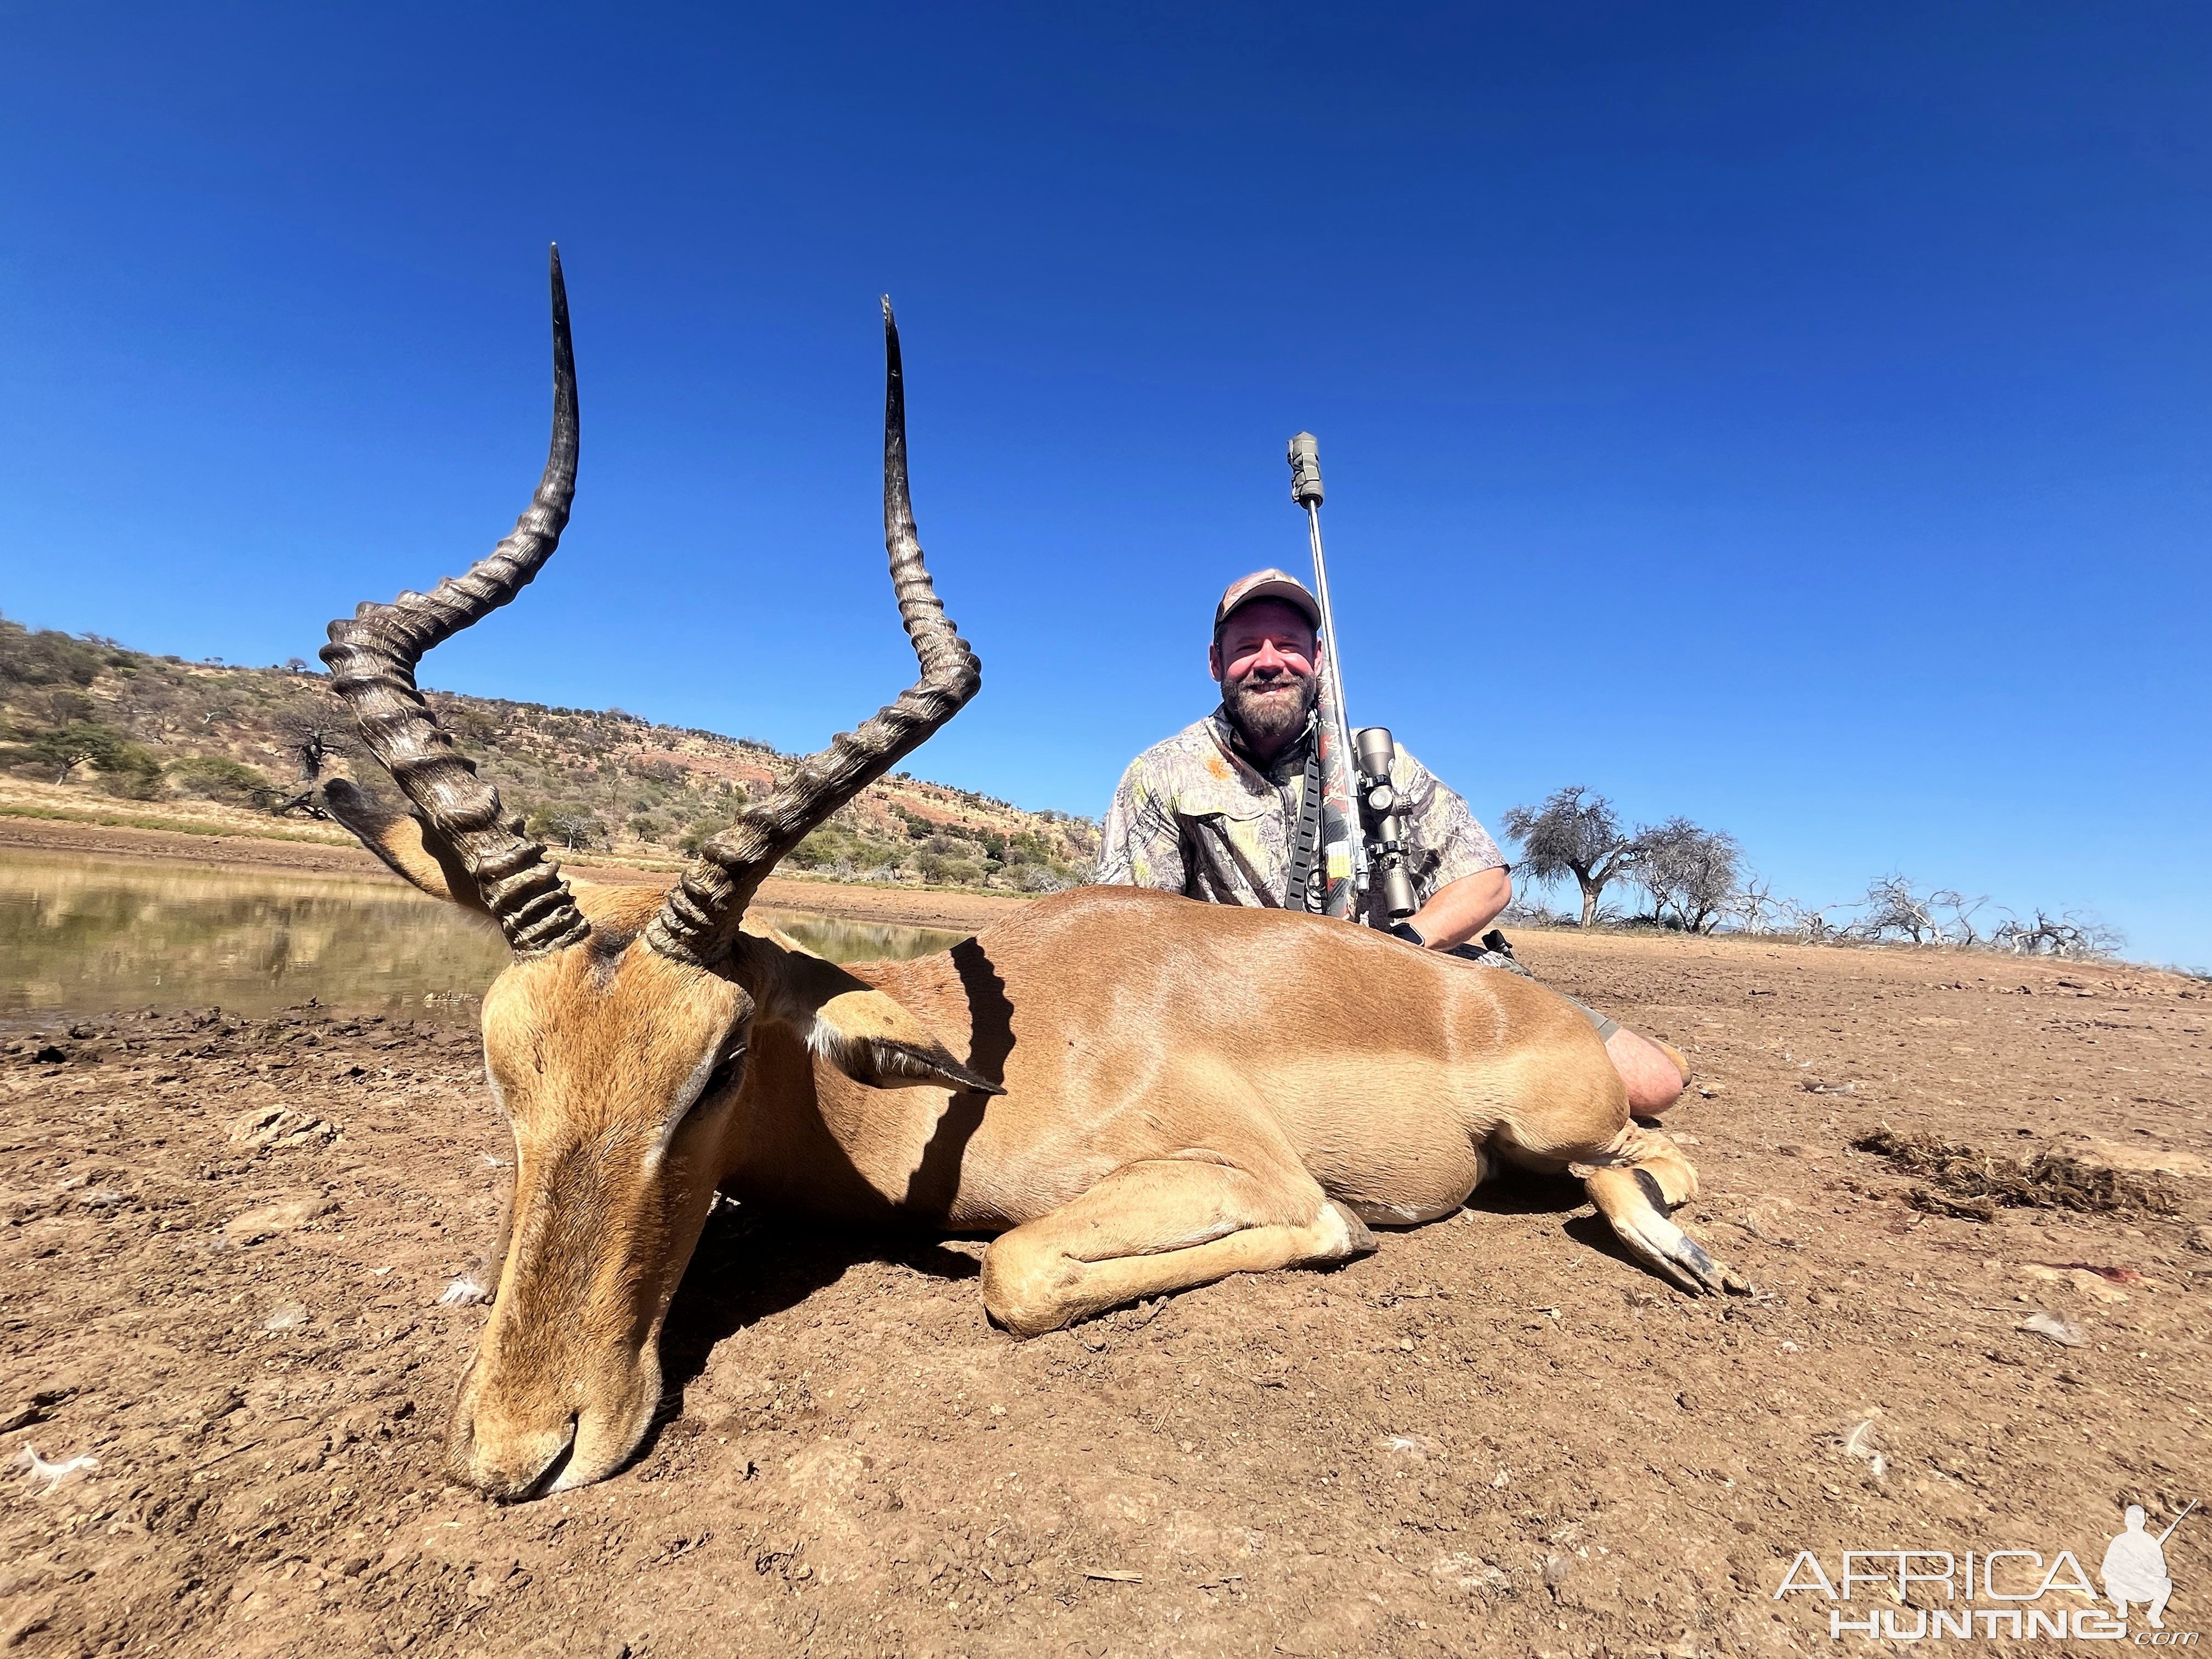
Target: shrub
<point>214,777</point>
<point>950,871</point>
<point>47,657</point>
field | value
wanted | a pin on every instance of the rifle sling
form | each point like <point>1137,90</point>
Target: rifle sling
<point>1304,893</point>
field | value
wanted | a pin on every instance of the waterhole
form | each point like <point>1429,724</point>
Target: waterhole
<point>82,933</point>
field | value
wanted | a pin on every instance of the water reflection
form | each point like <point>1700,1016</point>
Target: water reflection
<point>859,941</point>
<point>81,933</point>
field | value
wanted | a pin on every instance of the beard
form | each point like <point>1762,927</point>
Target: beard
<point>1272,712</point>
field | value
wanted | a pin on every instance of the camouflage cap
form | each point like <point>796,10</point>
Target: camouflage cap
<point>1267,585</point>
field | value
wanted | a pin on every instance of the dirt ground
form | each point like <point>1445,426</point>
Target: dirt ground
<point>223,1244</point>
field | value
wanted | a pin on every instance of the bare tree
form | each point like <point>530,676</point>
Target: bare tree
<point>1571,836</point>
<point>1960,929</point>
<point>311,733</point>
<point>2069,936</point>
<point>1812,925</point>
<point>572,824</point>
<point>1895,907</point>
<point>313,729</point>
<point>1754,908</point>
<point>1688,869</point>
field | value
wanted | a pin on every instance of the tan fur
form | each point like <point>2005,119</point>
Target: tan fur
<point>1188,1091</point>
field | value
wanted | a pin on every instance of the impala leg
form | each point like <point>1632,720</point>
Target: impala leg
<point>1157,1226</point>
<point>1634,1182</point>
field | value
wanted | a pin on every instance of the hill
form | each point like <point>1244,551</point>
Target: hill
<point>241,747</point>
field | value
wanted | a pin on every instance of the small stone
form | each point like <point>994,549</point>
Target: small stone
<point>273,1219</point>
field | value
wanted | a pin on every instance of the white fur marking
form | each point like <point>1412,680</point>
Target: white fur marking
<point>1404,1215</point>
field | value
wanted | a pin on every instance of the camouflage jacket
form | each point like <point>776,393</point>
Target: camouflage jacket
<point>1194,815</point>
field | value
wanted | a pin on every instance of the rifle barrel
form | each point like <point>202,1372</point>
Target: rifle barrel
<point>1334,666</point>
<point>2178,1520</point>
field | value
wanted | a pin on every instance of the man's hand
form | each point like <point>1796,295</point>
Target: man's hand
<point>1460,909</point>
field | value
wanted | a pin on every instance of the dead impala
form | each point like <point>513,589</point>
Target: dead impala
<point>1111,1081</point>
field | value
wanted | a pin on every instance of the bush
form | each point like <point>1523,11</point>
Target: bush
<point>822,848</point>
<point>948,872</point>
<point>214,777</point>
<point>139,780</point>
<point>47,657</point>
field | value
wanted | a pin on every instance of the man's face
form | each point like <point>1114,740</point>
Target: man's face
<point>1265,659</point>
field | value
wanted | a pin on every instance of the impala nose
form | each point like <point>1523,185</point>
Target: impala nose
<point>505,1458</point>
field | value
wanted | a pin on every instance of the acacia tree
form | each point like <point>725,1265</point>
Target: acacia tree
<point>1688,869</point>
<point>1574,833</point>
<point>68,746</point>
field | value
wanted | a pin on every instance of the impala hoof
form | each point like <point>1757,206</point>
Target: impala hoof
<point>1675,1257</point>
<point>1702,1275</point>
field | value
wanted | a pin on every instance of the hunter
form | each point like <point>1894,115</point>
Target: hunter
<point>1212,813</point>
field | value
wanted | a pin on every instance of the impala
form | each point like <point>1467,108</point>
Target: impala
<point>1134,1092</point>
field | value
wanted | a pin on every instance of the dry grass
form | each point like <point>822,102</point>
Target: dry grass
<point>1973,1184</point>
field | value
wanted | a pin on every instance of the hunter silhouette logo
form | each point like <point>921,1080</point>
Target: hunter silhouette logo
<point>2135,1566</point>
<point>1905,1595</point>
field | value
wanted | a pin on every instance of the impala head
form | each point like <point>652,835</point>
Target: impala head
<point>617,1039</point>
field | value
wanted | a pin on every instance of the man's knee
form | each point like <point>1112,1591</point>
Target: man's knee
<point>1655,1081</point>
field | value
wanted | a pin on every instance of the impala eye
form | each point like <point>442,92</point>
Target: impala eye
<point>725,1072</point>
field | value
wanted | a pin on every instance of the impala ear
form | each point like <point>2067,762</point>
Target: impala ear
<point>871,1039</point>
<point>866,1034</point>
<point>414,854</point>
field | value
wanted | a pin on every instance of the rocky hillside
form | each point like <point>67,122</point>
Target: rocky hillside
<point>91,715</point>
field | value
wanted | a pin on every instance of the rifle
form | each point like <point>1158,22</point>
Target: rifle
<point>1350,862</point>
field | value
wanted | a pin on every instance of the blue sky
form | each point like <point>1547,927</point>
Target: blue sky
<point>1796,418</point>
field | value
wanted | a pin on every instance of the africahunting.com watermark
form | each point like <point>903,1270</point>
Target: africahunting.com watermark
<point>1981,1594</point>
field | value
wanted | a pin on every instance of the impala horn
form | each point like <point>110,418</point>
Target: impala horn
<point>372,657</point>
<point>700,919</point>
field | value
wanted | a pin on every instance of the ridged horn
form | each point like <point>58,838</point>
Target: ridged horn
<point>372,657</point>
<point>700,919</point>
